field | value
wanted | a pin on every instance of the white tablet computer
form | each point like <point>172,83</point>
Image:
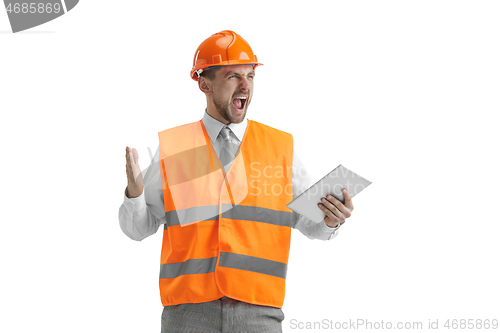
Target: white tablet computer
<point>307,203</point>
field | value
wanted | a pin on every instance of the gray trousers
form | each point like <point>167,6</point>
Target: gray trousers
<point>225,315</point>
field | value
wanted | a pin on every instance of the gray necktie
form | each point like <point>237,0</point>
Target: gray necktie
<point>229,147</point>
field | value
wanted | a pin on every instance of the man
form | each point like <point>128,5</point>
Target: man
<point>220,186</point>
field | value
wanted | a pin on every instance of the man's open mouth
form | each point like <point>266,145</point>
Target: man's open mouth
<point>239,102</point>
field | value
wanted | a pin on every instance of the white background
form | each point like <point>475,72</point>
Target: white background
<point>404,93</point>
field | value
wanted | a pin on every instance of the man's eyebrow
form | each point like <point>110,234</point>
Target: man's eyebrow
<point>239,74</point>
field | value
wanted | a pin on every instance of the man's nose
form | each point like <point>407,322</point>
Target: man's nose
<point>245,84</point>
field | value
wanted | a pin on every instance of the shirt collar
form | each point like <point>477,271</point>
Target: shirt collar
<point>213,127</point>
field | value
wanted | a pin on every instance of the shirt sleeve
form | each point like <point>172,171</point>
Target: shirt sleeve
<point>301,181</point>
<point>141,217</point>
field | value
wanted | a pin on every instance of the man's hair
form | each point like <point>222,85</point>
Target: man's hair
<point>210,74</point>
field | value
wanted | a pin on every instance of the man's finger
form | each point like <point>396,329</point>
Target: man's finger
<point>325,210</point>
<point>127,154</point>
<point>330,206</point>
<point>343,211</point>
<point>329,213</point>
<point>133,156</point>
<point>132,174</point>
<point>347,199</point>
<point>335,202</point>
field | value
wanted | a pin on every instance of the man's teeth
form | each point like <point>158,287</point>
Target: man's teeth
<point>241,98</point>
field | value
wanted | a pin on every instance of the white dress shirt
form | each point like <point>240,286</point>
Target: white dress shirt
<point>141,217</point>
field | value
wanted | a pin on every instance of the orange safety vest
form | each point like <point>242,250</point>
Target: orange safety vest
<point>226,234</point>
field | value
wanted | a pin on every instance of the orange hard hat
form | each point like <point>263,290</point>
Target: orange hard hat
<point>222,49</point>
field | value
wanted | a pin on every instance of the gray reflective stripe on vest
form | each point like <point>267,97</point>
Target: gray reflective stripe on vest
<point>194,214</point>
<point>295,218</point>
<point>245,213</point>
<point>253,264</point>
<point>259,214</point>
<point>190,266</point>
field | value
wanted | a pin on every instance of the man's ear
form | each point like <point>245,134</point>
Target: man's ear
<point>204,85</point>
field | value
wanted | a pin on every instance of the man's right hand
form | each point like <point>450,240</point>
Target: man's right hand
<point>134,176</point>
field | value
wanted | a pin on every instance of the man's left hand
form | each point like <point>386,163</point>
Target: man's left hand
<point>335,210</point>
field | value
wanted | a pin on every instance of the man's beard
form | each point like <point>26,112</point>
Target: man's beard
<point>225,111</point>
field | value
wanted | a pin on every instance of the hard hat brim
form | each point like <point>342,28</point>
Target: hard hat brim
<point>196,72</point>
